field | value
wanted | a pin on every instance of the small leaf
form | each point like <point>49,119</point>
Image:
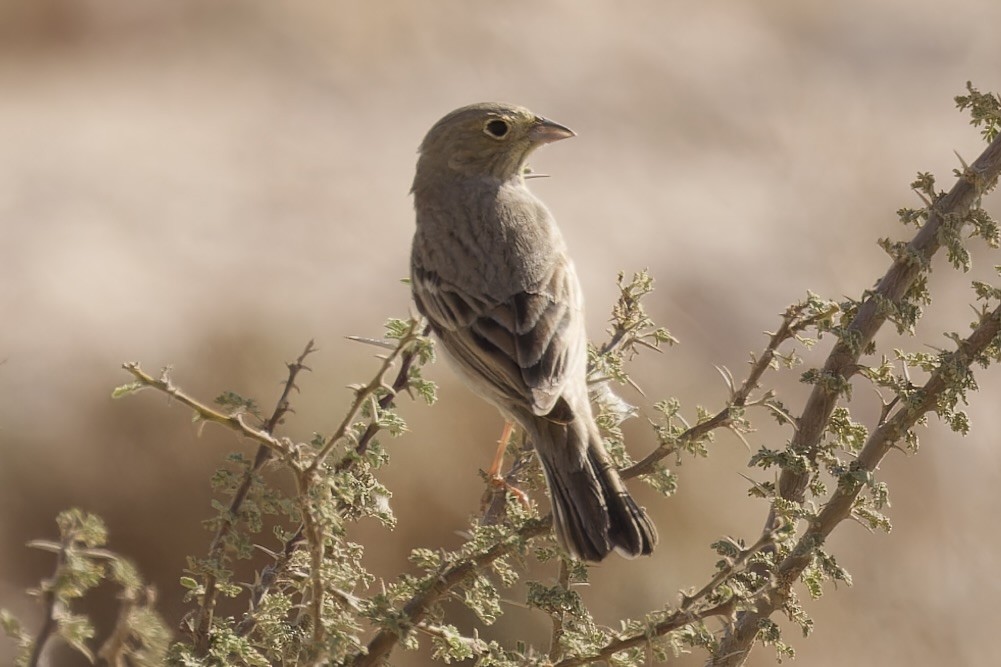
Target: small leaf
<point>126,389</point>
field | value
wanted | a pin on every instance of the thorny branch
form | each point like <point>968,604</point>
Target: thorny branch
<point>113,651</point>
<point>416,609</point>
<point>793,323</point>
<point>685,614</point>
<point>269,576</point>
<point>675,621</point>
<point>737,643</point>
<point>49,601</point>
<point>206,609</point>
<point>842,363</point>
<point>205,413</point>
<point>405,353</point>
<point>366,393</point>
<point>400,383</point>
<point>555,650</point>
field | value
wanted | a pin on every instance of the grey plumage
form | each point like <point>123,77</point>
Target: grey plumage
<point>490,271</point>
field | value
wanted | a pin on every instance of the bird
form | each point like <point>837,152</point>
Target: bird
<point>491,274</point>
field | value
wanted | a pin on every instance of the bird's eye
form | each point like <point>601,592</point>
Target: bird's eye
<point>497,128</point>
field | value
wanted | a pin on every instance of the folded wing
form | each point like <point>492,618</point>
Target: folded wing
<point>520,346</point>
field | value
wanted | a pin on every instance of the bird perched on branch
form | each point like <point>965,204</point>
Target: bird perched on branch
<point>491,273</point>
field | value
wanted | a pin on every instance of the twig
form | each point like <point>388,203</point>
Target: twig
<point>475,645</point>
<point>416,608</point>
<point>726,572</point>
<point>313,533</point>
<point>682,616</point>
<point>400,383</point>
<point>205,413</point>
<point>206,609</point>
<point>270,575</point>
<point>314,540</point>
<point>647,463</point>
<point>311,528</point>
<point>365,393</point>
<point>555,649</point>
<point>792,324</point>
<point>49,602</point>
<point>114,650</point>
<point>678,619</point>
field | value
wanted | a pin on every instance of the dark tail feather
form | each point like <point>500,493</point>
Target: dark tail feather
<point>593,514</point>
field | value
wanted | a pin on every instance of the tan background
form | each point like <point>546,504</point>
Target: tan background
<point>211,184</point>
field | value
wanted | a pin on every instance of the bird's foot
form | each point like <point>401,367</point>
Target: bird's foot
<point>497,485</point>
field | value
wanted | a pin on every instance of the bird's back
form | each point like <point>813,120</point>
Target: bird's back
<point>496,237</point>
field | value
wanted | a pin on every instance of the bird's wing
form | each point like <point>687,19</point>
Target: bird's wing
<point>521,346</point>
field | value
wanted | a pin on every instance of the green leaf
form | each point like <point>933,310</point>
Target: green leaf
<point>126,389</point>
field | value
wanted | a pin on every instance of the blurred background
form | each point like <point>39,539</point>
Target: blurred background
<point>209,185</point>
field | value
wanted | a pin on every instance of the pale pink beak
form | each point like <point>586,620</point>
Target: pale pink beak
<point>546,131</point>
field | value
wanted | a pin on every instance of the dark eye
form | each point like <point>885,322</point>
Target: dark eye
<point>497,128</point>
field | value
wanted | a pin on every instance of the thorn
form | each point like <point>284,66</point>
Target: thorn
<point>900,449</point>
<point>758,485</point>
<point>966,167</point>
<point>377,342</point>
<point>635,386</point>
<point>650,345</point>
<point>870,529</point>
<point>741,437</point>
<point>727,378</point>
<point>271,554</point>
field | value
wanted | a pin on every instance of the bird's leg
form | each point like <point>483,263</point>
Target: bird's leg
<point>495,467</point>
<point>494,477</point>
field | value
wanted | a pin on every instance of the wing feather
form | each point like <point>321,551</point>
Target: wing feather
<point>520,346</point>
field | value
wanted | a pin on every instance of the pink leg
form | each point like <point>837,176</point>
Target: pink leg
<point>494,473</point>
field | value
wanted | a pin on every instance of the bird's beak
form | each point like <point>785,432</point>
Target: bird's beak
<point>545,131</point>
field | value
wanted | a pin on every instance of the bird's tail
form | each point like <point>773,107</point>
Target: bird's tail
<point>593,512</point>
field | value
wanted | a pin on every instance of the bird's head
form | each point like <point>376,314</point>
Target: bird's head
<point>488,139</point>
